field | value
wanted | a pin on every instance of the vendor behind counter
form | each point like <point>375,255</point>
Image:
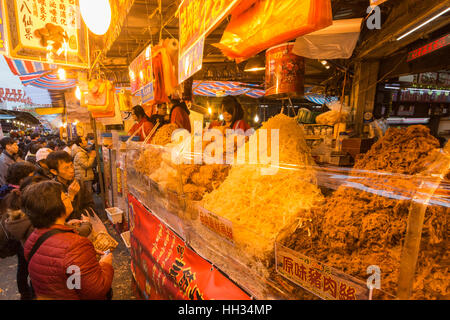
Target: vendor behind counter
<point>143,125</point>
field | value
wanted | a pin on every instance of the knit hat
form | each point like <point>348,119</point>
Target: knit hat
<point>42,154</point>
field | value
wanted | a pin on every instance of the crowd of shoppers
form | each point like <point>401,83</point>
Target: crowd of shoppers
<point>46,198</point>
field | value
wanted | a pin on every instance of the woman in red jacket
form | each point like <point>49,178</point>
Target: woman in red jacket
<point>143,125</point>
<point>65,265</point>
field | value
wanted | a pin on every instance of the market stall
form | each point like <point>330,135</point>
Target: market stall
<point>300,191</point>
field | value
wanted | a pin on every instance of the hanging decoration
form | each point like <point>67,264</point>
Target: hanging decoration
<point>268,23</point>
<point>285,72</point>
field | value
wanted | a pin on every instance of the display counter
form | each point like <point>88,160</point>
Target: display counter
<point>297,230</point>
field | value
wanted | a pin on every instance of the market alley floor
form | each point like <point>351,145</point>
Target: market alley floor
<point>122,289</point>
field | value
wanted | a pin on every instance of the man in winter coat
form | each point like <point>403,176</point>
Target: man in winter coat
<point>62,255</point>
<point>61,166</point>
<point>84,162</point>
<point>8,157</point>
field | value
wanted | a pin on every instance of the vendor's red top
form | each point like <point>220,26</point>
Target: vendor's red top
<point>181,118</point>
<point>147,127</point>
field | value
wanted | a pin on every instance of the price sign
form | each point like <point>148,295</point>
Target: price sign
<point>318,278</point>
<point>219,225</point>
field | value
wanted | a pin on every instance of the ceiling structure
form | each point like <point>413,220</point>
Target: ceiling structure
<point>146,24</point>
<point>21,116</point>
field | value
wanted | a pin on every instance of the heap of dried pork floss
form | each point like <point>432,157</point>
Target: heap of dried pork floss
<point>260,205</point>
<point>150,159</point>
<point>356,229</point>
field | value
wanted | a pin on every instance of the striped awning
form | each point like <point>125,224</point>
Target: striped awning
<point>320,99</point>
<point>226,88</point>
<point>23,67</point>
<point>51,82</point>
<point>38,74</point>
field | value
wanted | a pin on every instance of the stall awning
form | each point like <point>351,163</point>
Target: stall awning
<point>226,88</point>
<point>38,74</point>
<point>22,67</point>
<point>320,99</point>
<point>51,82</point>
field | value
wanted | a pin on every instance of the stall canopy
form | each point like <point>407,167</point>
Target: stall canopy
<point>226,88</point>
<point>320,99</point>
<point>38,74</point>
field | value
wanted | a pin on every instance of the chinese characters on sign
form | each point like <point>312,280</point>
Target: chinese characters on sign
<point>141,72</point>
<point>429,48</point>
<point>198,18</point>
<point>3,41</point>
<point>219,225</point>
<point>191,62</point>
<point>325,282</point>
<point>165,268</point>
<point>14,95</point>
<point>48,30</point>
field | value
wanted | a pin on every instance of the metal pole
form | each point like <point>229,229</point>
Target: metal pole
<point>99,167</point>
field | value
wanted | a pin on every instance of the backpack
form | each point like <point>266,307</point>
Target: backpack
<point>8,246</point>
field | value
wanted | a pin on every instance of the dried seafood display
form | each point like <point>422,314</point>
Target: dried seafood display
<point>261,204</point>
<point>356,228</point>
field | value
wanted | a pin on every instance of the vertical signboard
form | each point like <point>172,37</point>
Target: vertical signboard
<point>49,31</point>
<point>191,61</point>
<point>3,31</point>
<point>197,19</point>
<point>141,75</point>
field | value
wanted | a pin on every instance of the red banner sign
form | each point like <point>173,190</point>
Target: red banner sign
<point>429,48</point>
<point>199,17</point>
<point>165,268</point>
<point>141,71</point>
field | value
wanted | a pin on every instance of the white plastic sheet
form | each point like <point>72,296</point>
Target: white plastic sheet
<point>335,42</point>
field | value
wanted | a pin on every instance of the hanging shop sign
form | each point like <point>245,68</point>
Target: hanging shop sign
<point>429,48</point>
<point>199,17</point>
<point>14,95</point>
<point>141,72</point>
<point>165,268</point>
<point>3,32</point>
<point>321,280</point>
<point>191,61</point>
<point>48,31</point>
